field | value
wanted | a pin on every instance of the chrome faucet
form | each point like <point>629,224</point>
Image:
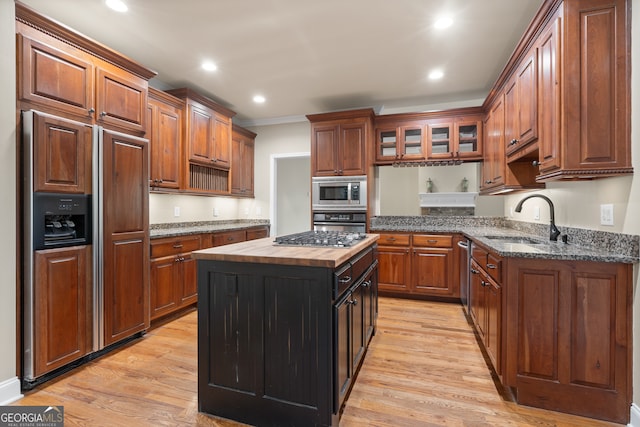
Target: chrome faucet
<point>553,230</point>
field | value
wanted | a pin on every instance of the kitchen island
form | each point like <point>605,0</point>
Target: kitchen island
<point>282,330</point>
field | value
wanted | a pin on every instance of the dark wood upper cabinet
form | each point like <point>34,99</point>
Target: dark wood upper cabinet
<point>340,143</point>
<point>63,73</point>
<point>242,161</point>
<point>165,139</point>
<point>62,155</point>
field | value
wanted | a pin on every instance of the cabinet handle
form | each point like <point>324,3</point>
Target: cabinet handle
<point>483,283</point>
<point>513,141</point>
<point>474,271</point>
<point>366,284</point>
<point>488,181</point>
<point>353,302</point>
<point>432,241</point>
<point>177,246</point>
<point>229,239</point>
<point>345,279</point>
<point>492,266</point>
<point>92,110</point>
<point>391,239</point>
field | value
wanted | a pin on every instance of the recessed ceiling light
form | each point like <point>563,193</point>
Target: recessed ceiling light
<point>436,75</point>
<point>259,99</point>
<point>443,22</point>
<point>117,5</point>
<point>209,66</point>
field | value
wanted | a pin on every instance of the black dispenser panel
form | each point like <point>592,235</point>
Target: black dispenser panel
<point>61,220</point>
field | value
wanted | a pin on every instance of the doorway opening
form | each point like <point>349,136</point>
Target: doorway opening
<point>290,193</point>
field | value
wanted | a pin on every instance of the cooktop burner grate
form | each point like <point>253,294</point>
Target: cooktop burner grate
<point>337,239</point>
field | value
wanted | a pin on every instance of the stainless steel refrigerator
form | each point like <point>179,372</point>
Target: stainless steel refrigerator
<point>85,242</point>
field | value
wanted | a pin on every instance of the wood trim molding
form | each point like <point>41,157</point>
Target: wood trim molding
<point>65,34</point>
<point>187,93</point>
<point>341,115</point>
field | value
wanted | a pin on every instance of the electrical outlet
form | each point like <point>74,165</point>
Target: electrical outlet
<point>606,214</point>
<point>216,212</point>
<point>176,211</point>
<point>536,213</point>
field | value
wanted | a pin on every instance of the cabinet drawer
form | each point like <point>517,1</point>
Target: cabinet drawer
<point>343,278</point>
<point>174,245</point>
<point>361,262</point>
<point>387,239</point>
<point>494,267</point>
<point>432,240</point>
<point>479,254</point>
<point>229,237</point>
<point>257,233</point>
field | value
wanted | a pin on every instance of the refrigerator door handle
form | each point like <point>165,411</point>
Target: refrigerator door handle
<point>98,285</point>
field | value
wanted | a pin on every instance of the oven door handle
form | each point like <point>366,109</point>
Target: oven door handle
<point>337,223</point>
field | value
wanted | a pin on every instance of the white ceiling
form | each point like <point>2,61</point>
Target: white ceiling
<point>310,56</point>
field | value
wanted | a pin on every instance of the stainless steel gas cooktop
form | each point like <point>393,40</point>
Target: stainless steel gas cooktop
<point>337,239</point>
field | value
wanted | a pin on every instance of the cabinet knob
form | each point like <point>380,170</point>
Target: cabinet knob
<point>488,181</point>
<point>483,283</point>
<point>492,266</point>
<point>353,302</point>
<point>104,113</point>
<point>92,110</point>
<point>513,141</point>
<point>535,163</point>
<point>474,271</point>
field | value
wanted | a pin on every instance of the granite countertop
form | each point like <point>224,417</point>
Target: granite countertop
<point>187,228</point>
<point>583,245</point>
<point>264,251</point>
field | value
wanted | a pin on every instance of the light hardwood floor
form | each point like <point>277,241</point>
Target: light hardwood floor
<point>423,368</point>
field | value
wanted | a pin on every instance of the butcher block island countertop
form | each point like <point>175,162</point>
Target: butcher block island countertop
<point>265,251</point>
<point>283,330</point>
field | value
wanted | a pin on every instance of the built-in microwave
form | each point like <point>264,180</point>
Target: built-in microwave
<point>339,193</point>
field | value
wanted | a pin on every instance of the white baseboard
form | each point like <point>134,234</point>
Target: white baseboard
<point>634,418</point>
<point>10,391</point>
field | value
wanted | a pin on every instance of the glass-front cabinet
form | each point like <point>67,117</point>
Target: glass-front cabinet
<point>458,138</point>
<point>403,142</point>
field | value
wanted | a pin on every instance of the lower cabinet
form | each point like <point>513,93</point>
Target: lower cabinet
<point>418,264</point>
<point>568,334</point>
<point>354,322</point>
<point>485,296</point>
<point>62,308</point>
<point>173,274</point>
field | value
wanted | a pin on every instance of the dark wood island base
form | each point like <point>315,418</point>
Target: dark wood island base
<point>282,331</point>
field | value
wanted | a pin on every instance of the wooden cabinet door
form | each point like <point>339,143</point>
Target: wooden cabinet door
<point>527,101</point>
<point>549,51</point>
<point>121,100</point>
<point>242,165</point>
<point>493,334</point>
<point>62,155</point>
<point>221,142</point>
<point>569,325</point>
<point>440,140</point>
<point>163,298</point>
<point>494,162</point>
<point>200,134</point>
<point>468,137</point>
<point>432,271</point>
<point>394,269</point>
<point>62,308</point>
<point>477,298</point>
<point>126,235</point>
<point>165,141</point>
<point>59,77</point>
<point>258,233</point>
<point>324,150</point>
<point>358,330</point>
<point>188,280</point>
<point>351,158</point>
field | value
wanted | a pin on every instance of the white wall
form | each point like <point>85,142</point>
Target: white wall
<point>9,384</point>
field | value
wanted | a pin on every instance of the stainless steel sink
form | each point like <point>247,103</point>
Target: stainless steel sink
<point>514,239</point>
